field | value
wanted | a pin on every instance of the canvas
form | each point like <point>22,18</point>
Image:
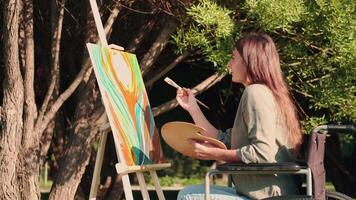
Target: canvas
<point>127,106</point>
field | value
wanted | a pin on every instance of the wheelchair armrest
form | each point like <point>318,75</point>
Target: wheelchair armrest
<point>261,168</point>
<point>253,167</point>
<point>334,128</point>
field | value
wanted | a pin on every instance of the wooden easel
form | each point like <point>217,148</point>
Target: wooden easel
<point>124,171</point>
<point>121,167</point>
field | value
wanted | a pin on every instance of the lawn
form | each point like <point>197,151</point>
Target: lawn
<point>170,185</point>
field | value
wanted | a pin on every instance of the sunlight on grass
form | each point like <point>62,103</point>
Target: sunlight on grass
<point>329,186</point>
<point>45,185</point>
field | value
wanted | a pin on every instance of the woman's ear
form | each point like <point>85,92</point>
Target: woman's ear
<point>248,80</point>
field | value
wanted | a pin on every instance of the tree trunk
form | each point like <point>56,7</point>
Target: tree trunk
<point>116,190</point>
<point>12,105</point>
<point>90,116</point>
<point>79,147</point>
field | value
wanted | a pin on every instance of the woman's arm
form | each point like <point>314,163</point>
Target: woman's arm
<point>205,151</point>
<point>186,100</point>
<point>200,120</point>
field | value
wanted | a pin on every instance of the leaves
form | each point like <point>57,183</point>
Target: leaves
<point>325,47</point>
<point>276,14</point>
<point>207,27</point>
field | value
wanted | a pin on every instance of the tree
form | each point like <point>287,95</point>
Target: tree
<point>22,124</point>
<point>12,103</point>
<point>181,39</point>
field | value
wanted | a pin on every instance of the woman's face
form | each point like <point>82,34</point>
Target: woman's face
<point>238,68</point>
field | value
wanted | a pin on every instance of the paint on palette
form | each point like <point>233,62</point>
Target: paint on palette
<point>126,103</point>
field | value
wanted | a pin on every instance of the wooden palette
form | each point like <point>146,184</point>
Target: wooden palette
<point>177,135</point>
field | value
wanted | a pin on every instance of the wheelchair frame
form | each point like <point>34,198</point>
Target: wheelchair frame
<point>314,170</point>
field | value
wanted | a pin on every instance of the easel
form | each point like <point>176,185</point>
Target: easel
<point>125,170</point>
<point>121,167</point>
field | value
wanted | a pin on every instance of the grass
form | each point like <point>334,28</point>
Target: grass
<point>167,181</point>
<point>45,186</point>
<point>329,186</point>
<point>171,182</point>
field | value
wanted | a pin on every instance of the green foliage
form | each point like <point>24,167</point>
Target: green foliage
<point>276,14</point>
<point>325,52</point>
<point>184,167</point>
<point>207,27</point>
<point>174,181</point>
<point>313,122</point>
<point>209,14</point>
<point>349,143</point>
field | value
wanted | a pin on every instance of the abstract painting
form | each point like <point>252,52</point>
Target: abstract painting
<point>126,103</point>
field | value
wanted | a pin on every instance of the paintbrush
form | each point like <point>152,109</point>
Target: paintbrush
<point>174,84</point>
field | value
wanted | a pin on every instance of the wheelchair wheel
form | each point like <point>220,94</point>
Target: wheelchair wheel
<point>336,195</point>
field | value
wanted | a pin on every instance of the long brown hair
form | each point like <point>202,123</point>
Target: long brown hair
<point>262,60</point>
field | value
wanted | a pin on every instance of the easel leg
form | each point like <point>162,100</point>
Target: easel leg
<point>127,186</point>
<point>98,164</point>
<point>157,185</point>
<point>143,187</point>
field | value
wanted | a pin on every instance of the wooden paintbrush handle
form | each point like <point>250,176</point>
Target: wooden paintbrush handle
<point>174,84</point>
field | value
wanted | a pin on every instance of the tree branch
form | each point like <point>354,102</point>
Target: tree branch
<point>144,30</point>
<point>302,93</point>
<point>165,70</point>
<point>201,87</point>
<point>135,10</point>
<point>157,47</point>
<point>56,42</point>
<point>55,125</point>
<point>62,98</point>
<point>110,21</point>
<point>318,79</point>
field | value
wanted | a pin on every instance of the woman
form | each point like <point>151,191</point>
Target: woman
<point>266,128</point>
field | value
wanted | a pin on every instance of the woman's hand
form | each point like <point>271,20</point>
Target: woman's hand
<point>186,99</point>
<point>207,151</point>
<point>204,150</point>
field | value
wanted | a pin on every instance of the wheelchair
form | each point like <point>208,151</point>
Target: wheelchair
<point>312,167</point>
